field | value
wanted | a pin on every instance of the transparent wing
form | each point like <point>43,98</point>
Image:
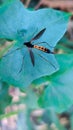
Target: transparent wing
<point>39,34</point>
<point>31,56</point>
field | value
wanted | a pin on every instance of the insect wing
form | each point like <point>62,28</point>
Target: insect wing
<point>39,34</point>
<point>31,56</point>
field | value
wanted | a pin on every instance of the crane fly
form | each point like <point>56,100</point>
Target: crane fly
<point>41,48</point>
<point>30,45</point>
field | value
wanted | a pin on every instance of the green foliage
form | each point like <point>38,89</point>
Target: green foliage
<point>3,1</point>
<point>65,45</point>
<point>49,117</point>
<point>5,98</point>
<point>58,87</point>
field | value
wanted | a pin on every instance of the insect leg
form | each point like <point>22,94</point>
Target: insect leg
<point>47,61</point>
<point>46,43</point>
<point>22,64</point>
<point>11,52</point>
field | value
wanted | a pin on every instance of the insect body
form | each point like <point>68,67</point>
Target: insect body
<point>30,46</point>
<point>41,48</point>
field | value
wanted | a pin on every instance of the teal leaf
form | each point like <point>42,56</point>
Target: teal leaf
<point>11,19</point>
<point>16,68</point>
<point>50,117</point>
<point>19,71</point>
<point>71,120</point>
<point>3,1</point>
<point>65,45</point>
<point>58,92</point>
<point>31,103</point>
<point>5,98</point>
<point>15,24</point>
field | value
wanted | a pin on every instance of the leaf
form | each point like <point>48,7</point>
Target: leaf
<point>65,45</point>
<point>71,120</point>
<point>49,116</point>
<point>11,65</point>
<point>11,19</point>
<point>5,98</point>
<point>65,41</point>
<point>20,26</point>
<point>31,103</point>
<point>1,2</point>
<point>58,92</point>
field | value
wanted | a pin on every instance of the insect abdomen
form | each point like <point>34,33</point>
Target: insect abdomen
<point>42,48</point>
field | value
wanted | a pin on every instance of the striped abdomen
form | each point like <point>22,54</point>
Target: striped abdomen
<point>42,49</point>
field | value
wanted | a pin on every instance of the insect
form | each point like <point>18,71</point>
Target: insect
<point>30,46</point>
<point>41,48</point>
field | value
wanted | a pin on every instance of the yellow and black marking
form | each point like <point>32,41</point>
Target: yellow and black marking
<point>42,48</point>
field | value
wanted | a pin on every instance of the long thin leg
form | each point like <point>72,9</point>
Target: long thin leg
<point>11,52</point>
<point>46,43</point>
<point>22,64</point>
<point>47,61</point>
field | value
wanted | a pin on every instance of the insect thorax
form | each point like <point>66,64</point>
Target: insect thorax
<point>28,44</point>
